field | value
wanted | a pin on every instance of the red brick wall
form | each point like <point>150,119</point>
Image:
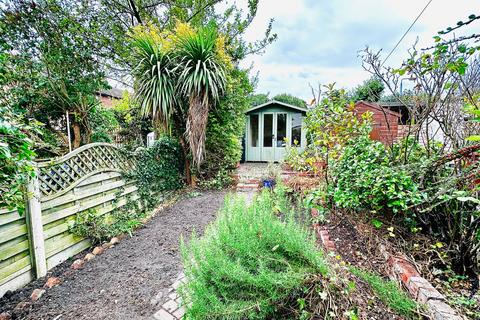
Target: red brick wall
<point>385,123</point>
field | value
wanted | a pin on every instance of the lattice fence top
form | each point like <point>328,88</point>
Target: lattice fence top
<point>62,174</point>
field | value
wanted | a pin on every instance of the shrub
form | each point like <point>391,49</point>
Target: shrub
<point>301,160</point>
<point>290,99</point>
<point>98,227</point>
<point>103,123</point>
<point>365,178</point>
<point>249,264</point>
<point>370,90</point>
<point>16,158</point>
<point>157,170</point>
<point>332,123</point>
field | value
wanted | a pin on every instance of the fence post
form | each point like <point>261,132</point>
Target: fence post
<point>35,226</point>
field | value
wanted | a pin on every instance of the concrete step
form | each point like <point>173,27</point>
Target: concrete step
<point>249,181</point>
<point>249,186</point>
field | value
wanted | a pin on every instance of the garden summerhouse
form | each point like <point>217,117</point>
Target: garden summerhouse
<point>270,127</point>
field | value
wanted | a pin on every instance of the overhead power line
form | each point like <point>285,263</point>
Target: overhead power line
<point>409,28</point>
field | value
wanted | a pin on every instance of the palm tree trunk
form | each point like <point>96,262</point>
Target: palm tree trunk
<point>196,127</point>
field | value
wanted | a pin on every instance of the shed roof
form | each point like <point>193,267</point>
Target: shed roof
<point>113,92</point>
<point>271,102</point>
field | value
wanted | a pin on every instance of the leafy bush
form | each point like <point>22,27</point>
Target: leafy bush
<point>258,99</point>
<point>249,264</point>
<point>16,158</point>
<point>365,178</point>
<point>103,123</point>
<point>133,126</point>
<point>301,160</point>
<point>290,99</point>
<point>332,123</point>
<point>370,90</point>
<point>158,169</point>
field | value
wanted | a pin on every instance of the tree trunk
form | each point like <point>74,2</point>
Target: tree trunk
<point>188,171</point>
<point>196,127</point>
<point>77,138</point>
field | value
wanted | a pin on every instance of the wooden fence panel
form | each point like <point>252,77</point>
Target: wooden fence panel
<point>102,192</point>
<point>15,259</point>
<point>88,178</point>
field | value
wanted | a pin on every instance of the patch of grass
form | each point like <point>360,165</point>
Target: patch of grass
<point>250,264</point>
<point>388,292</point>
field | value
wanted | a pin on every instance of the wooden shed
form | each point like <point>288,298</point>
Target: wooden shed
<point>270,126</point>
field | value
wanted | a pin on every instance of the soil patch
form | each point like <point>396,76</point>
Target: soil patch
<point>357,246</point>
<point>358,242</point>
<point>120,283</point>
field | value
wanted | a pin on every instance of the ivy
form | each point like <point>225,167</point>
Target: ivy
<point>157,171</point>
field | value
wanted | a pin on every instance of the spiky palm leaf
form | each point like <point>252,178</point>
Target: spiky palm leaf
<point>155,88</point>
<point>202,79</point>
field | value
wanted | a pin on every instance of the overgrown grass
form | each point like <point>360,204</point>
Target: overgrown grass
<point>250,264</point>
<point>388,292</point>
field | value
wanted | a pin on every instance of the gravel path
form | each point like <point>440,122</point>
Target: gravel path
<point>121,283</point>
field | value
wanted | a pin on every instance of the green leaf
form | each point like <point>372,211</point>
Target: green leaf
<point>473,138</point>
<point>377,223</point>
<point>471,199</point>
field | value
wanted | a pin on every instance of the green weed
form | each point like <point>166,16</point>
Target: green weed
<point>388,292</point>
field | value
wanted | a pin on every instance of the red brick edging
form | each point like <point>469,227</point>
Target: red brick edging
<point>322,233</point>
<point>400,268</point>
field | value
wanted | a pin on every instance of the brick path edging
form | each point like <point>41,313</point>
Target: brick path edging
<point>400,268</point>
<point>322,233</point>
<point>171,308</point>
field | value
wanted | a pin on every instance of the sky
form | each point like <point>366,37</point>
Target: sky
<point>318,40</point>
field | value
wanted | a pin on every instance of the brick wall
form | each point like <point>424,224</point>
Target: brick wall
<point>385,122</point>
<point>106,101</point>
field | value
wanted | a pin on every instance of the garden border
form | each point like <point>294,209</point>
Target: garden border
<point>400,268</point>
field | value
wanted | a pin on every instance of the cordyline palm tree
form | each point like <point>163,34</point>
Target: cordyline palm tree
<point>201,79</point>
<point>155,87</point>
<point>192,71</point>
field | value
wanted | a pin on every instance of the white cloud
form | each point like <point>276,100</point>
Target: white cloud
<point>319,39</point>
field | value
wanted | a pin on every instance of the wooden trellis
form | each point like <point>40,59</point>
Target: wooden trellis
<point>59,176</point>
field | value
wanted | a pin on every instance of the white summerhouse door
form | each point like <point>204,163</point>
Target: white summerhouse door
<point>268,136</point>
<point>280,136</point>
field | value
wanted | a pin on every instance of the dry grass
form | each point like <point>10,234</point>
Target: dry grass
<point>299,184</point>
